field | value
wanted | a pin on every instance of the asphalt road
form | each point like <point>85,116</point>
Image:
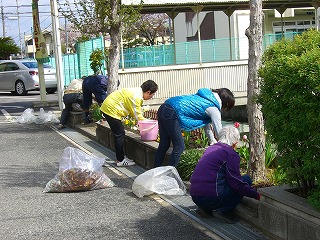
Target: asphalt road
<point>30,154</point>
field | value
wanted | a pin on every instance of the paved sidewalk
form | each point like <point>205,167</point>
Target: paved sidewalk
<point>184,204</point>
<point>29,159</point>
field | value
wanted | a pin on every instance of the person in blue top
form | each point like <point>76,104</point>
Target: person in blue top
<point>93,85</point>
<point>217,186</point>
<point>189,112</point>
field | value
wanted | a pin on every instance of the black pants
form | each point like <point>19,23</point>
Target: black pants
<point>117,129</point>
<point>68,100</point>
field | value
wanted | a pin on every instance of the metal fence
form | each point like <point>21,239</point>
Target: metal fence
<point>215,50</point>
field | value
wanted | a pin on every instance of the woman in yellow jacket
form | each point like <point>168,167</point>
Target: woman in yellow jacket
<point>120,104</point>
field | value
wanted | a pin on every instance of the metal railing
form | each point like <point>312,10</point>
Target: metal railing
<point>213,51</point>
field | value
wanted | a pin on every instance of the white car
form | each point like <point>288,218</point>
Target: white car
<point>21,76</point>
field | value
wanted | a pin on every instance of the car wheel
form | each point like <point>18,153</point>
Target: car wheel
<point>20,89</point>
<point>51,90</point>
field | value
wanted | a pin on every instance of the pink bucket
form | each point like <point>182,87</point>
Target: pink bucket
<point>148,130</point>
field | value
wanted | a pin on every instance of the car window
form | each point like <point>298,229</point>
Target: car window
<point>47,65</point>
<point>35,65</point>
<point>30,64</point>
<point>12,67</point>
<point>2,67</point>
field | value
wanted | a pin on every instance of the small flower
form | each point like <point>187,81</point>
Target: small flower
<point>244,138</point>
<point>145,108</point>
<point>236,125</point>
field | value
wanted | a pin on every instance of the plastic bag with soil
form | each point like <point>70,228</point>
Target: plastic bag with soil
<point>78,171</point>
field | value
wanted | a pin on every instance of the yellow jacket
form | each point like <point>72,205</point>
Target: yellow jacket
<point>124,102</point>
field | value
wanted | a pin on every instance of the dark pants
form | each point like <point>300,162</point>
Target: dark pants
<point>68,100</point>
<point>91,85</point>
<point>227,202</point>
<point>169,131</point>
<point>118,132</point>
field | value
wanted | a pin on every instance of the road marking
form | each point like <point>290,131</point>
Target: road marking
<point>4,106</point>
<point>6,114</point>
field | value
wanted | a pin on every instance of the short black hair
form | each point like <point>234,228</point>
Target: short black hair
<point>149,85</point>
<point>226,96</point>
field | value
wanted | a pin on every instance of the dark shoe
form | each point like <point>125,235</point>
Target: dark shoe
<point>60,126</point>
<point>228,217</point>
<point>87,121</point>
<point>203,214</point>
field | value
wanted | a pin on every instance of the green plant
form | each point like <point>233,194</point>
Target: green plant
<point>314,198</point>
<point>96,58</point>
<point>95,112</point>
<point>188,162</point>
<point>195,139</point>
<point>130,122</point>
<point>290,96</point>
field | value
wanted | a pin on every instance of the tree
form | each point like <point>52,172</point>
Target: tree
<point>7,47</point>
<point>150,27</point>
<point>290,96</point>
<point>255,118</point>
<point>69,36</point>
<point>93,17</point>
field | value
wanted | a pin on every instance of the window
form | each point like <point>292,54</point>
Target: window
<point>11,67</point>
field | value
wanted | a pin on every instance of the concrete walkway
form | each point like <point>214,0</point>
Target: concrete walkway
<point>184,203</point>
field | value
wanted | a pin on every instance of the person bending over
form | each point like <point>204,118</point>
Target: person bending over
<point>122,103</point>
<point>189,112</point>
<point>93,85</point>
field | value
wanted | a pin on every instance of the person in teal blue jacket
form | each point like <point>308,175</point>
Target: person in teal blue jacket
<point>189,112</point>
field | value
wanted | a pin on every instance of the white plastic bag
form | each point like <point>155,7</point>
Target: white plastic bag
<point>46,117</point>
<point>162,180</point>
<point>27,116</point>
<point>78,171</point>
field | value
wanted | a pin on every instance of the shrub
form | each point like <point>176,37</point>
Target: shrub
<point>290,96</point>
<point>188,162</point>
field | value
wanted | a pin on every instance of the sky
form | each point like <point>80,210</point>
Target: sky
<point>12,18</point>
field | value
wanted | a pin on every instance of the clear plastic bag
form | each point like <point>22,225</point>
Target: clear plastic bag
<point>162,180</point>
<point>78,171</point>
<point>29,117</point>
<point>46,117</point>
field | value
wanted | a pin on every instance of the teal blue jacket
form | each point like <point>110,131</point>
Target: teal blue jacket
<point>191,109</point>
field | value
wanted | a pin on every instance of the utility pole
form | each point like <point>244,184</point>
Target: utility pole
<point>20,42</point>
<point>3,24</point>
<point>57,50</point>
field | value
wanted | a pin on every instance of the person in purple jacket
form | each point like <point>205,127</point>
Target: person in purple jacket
<point>217,186</point>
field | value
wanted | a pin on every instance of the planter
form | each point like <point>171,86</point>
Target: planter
<point>142,152</point>
<point>280,214</point>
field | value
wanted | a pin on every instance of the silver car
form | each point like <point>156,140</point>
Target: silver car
<point>21,76</point>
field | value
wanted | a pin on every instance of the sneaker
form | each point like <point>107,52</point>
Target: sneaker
<point>60,126</point>
<point>125,163</point>
<point>128,159</point>
<point>228,217</point>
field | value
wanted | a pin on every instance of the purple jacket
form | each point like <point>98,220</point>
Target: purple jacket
<point>219,166</point>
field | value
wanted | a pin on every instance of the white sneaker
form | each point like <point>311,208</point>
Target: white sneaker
<point>128,159</point>
<point>125,163</point>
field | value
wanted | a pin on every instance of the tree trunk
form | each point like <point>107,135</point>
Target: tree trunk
<point>114,51</point>
<point>255,118</point>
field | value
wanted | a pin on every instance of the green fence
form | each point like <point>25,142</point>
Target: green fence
<point>215,50</point>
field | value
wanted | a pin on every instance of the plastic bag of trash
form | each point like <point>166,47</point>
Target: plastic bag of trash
<point>162,180</point>
<point>78,171</point>
<point>27,116</point>
<point>46,117</point>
